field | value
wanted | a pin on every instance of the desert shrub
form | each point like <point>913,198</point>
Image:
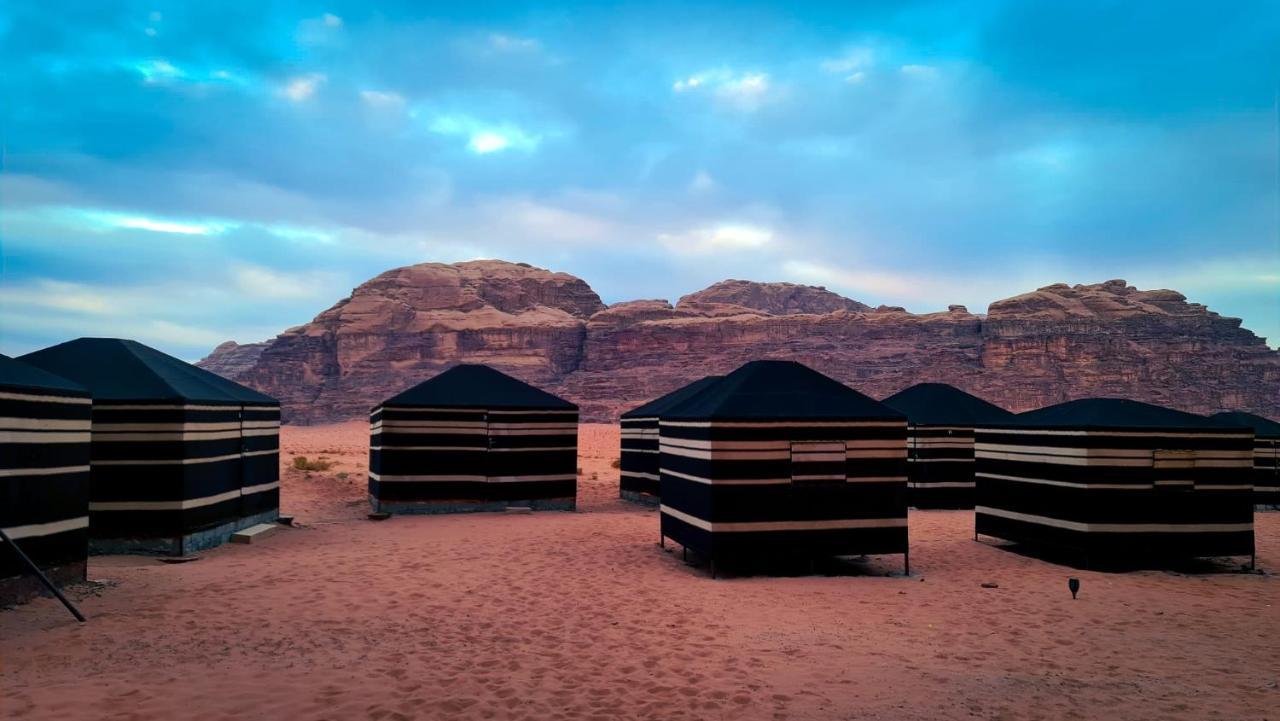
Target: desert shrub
<point>616,463</point>
<point>579,470</point>
<point>303,463</point>
<point>343,476</point>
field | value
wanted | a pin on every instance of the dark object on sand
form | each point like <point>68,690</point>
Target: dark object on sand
<point>379,516</point>
<point>1074,585</point>
<point>991,584</point>
<point>179,559</point>
<point>31,566</point>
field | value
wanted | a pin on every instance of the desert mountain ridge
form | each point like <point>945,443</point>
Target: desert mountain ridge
<point>1049,345</point>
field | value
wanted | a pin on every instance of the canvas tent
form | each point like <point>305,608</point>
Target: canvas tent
<point>44,477</point>
<point>941,421</point>
<point>777,459</point>
<point>1111,480</point>
<point>1266,454</point>
<point>638,475</point>
<point>181,457</point>
<point>473,439</point>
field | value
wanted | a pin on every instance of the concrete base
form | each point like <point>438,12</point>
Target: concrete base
<point>180,545</point>
<point>253,534</point>
<point>20,589</point>
<point>647,499</point>
<point>429,508</point>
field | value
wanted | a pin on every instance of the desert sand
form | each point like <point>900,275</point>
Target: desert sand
<point>582,616</point>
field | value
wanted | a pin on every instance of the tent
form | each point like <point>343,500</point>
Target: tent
<point>181,458</point>
<point>473,439</point>
<point>777,459</point>
<point>940,421</point>
<point>1266,454</point>
<point>1111,480</point>
<point>44,477</point>
<point>638,477</point>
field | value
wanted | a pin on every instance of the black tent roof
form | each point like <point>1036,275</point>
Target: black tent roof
<point>1112,413</point>
<point>662,404</point>
<point>783,390</point>
<point>478,386</point>
<point>16,374</point>
<point>116,369</point>
<point>1262,427</point>
<point>939,404</point>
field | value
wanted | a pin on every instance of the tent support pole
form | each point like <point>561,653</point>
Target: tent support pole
<point>906,562</point>
<point>40,575</point>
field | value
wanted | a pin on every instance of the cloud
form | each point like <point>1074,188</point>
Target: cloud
<point>483,138</point>
<point>259,282</point>
<point>745,91</point>
<point>504,43</point>
<point>302,87</point>
<point>919,71</point>
<point>110,220</point>
<point>702,182</point>
<point>319,31</point>
<point>853,62</point>
<point>382,99</point>
<point>723,237</point>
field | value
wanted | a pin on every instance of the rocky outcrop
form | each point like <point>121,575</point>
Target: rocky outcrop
<point>1056,343</point>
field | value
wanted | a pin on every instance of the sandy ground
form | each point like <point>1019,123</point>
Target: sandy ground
<point>582,616</point>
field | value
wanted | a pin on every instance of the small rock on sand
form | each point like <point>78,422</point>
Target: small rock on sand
<point>991,584</point>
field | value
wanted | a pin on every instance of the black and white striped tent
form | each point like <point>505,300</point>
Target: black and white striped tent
<point>44,477</point>
<point>181,458</point>
<point>941,419</point>
<point>777,459</point>
<point>1266,454</point>
<point>638,475</point>
<point>1109,480</point>
<point>473,439</point>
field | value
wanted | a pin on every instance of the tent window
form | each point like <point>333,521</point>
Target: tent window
<point>818,462</point>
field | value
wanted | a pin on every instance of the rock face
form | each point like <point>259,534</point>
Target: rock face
<point>1056,343</point>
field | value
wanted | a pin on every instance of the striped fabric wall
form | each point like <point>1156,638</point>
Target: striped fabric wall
<point>1114,494</point>
<point>940,466</point>
<point>431,460</point>
<point>638,468</point>
<point>162,471</point>
<point>743,489</point>
<point>1266,471</point>
<point>44,481</point>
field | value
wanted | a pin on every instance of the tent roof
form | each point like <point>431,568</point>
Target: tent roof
<point>939,404</point>
<point>16,374</point>
<point>477,386</point>
<point>664,403</point>
<point>1263,427</point>
<point>782,390</point>
<point>116,369</point>
<point>1112,413</point>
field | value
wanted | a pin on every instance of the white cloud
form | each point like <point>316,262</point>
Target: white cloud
<point>919,71</point>
<point>483,138</point>
<point>536,220</point>
<point>513,43</point>
<point>849,63</point>
<point>302,87</point>
<point>259,282</point>
<point>383,99</point>
<point>331,20</point>
<point>158,70</point>
<point>714,238</point>
<point>745,91</point>
<point>702,182</point>
<point>110,220</point>
<point>323,30</point>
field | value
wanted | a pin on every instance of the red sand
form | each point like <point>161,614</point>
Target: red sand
<point>582,616</point>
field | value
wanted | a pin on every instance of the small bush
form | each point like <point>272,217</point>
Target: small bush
<point>343,476</point>
<point>579,470</point>
<point>616,463</point>
<point>302,463</point>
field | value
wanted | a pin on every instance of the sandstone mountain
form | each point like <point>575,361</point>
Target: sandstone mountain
<point>1053,344</point>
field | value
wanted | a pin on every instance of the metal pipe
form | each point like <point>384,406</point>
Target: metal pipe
<point>43,578</point>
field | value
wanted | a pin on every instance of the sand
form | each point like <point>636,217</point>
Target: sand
<point>582,616</point>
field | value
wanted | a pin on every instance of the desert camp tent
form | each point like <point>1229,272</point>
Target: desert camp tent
<point>44,477</point>
<point>1111,480</point>
<point>777,459</point>
<point>940,421</point>
<point>1266,454</point>
<point>181,458</point>
<point>638,476</point>
<point>473,439</point>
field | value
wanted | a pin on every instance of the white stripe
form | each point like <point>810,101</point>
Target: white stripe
<point>164,505</point>
<point>259,488</point>
<point>825,525</point>
<point>639,474</point>
<point>182,461</point>
<point>43,437</point>
<point>532,479</point>
<point>1116,527</point>
<point>532,413</point>
<point>34,530</point>
<point>183,427</point>
<point>775,481</point>
<point>160,436</point>
<point>1067,484</point>
<point>473,448</point>
<point>43,424</point>
<point>1108,434</point>
<point>942,484</point>
<point>176,407</point>
<point>425,478</point>
<point>940,460</point>
<point>58,470</point>
<point>784,424</point>
<point>267,452</point>
<point>71,400</point>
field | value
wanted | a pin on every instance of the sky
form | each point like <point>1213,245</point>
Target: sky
<point>189,173</point>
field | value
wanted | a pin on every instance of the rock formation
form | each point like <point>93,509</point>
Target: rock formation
<point>1053,344</point>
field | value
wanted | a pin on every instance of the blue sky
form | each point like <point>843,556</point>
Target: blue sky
<point>185,174</point>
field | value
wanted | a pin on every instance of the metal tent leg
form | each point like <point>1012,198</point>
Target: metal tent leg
<point>31,566</point>
<point>906,563</point>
